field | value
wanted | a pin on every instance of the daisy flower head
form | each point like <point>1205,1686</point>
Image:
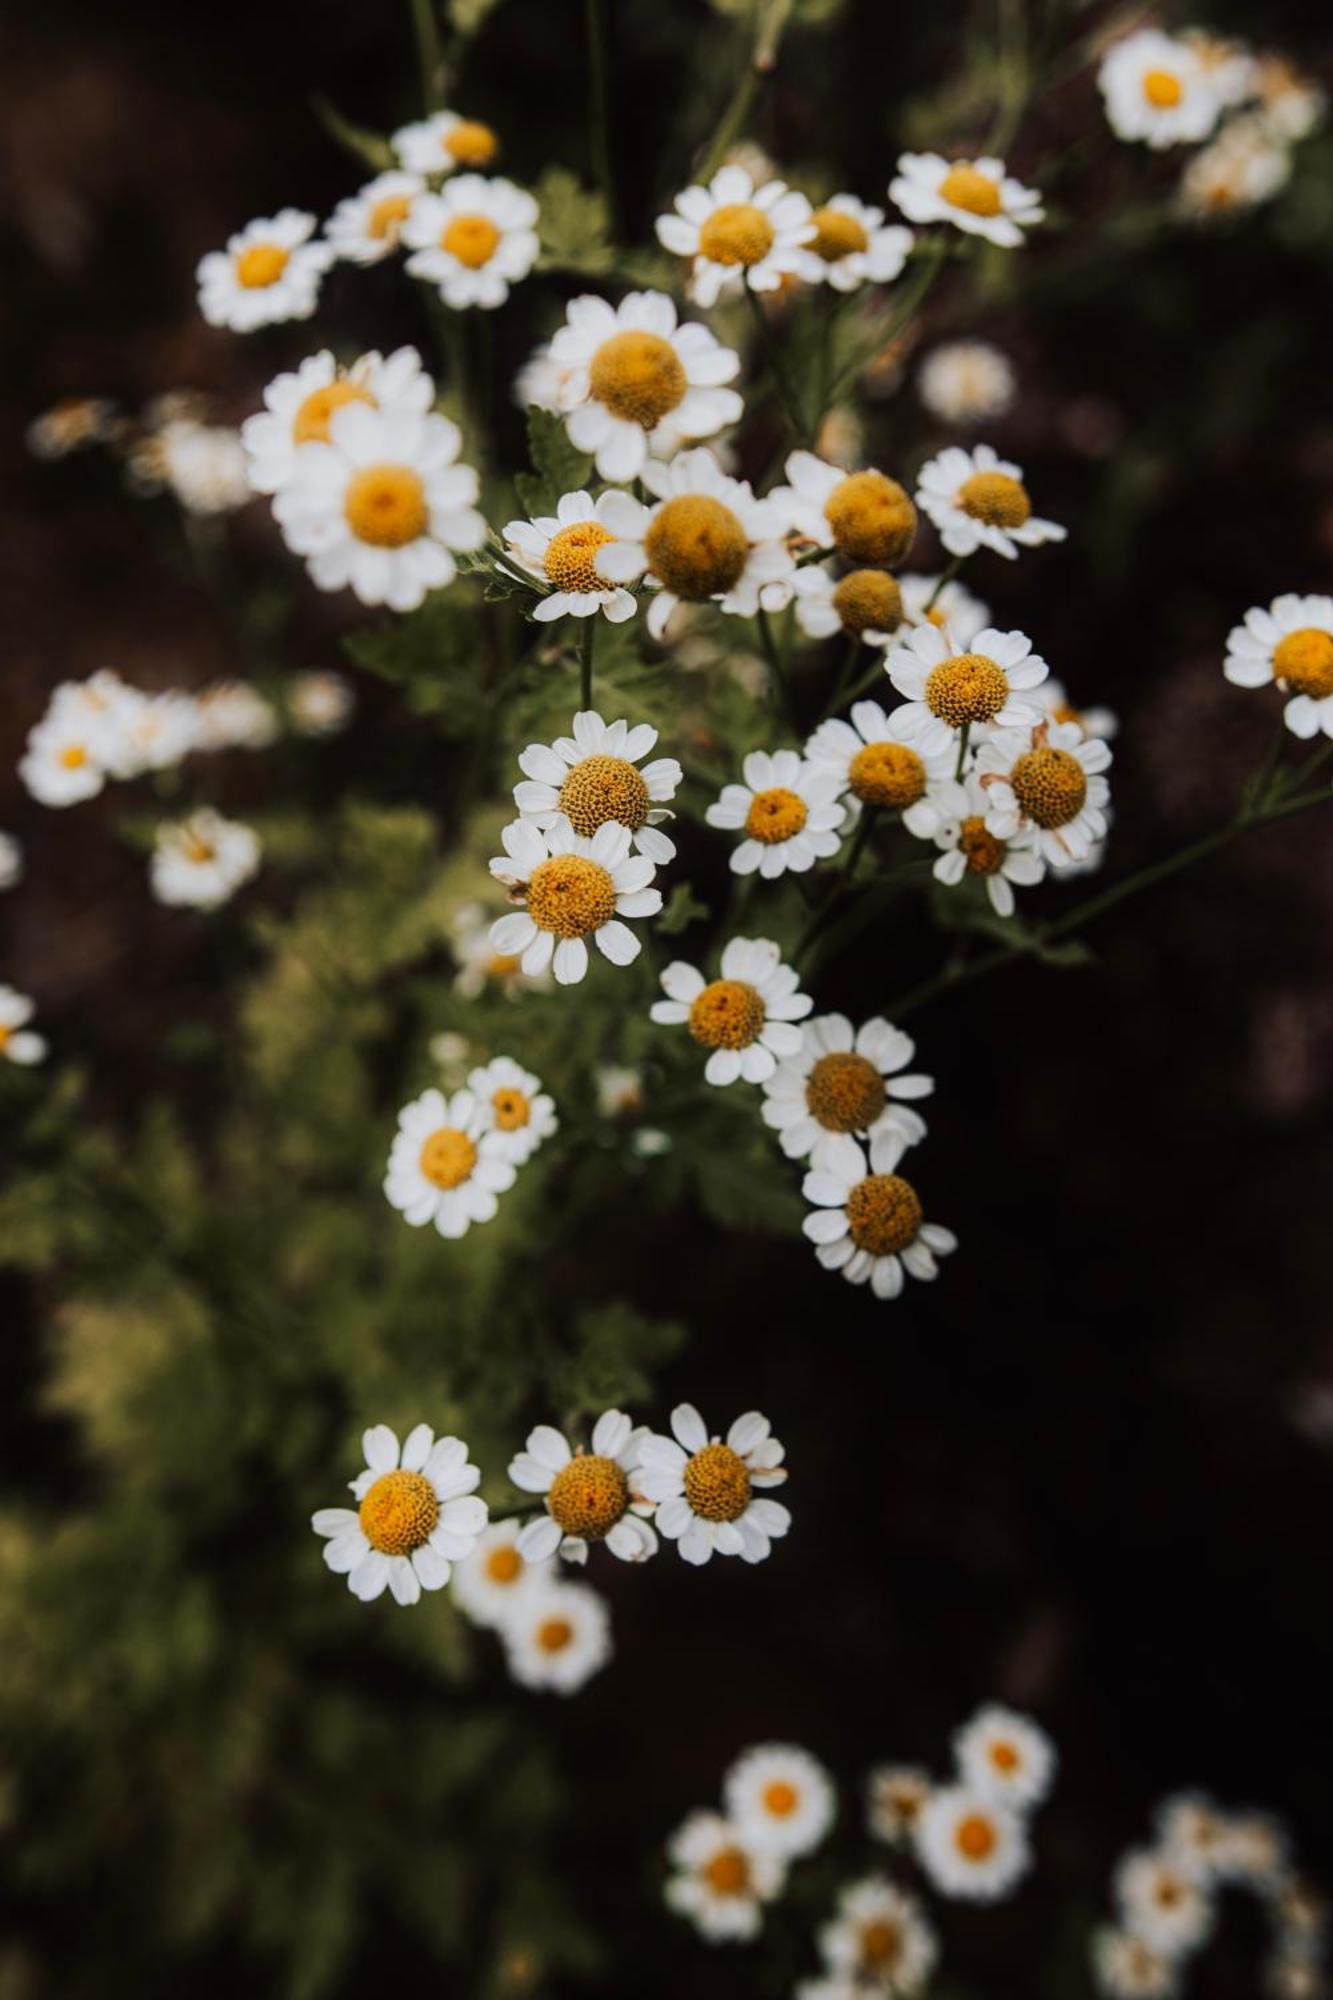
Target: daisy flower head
<point>1189,1825</point>
<point>382,507</point>
<point>448,1163</point>
<point>978,500</point>
<point>1155,88</point>
<point>1048,782</point>
<point>864,604</point>
<point>852,246</point>
<point>495,1580</point>
<point>479,965</point>
<point>367,226</point>
<point>896,1795</point>
<point>200,862</point>
<point>844,1082</point>
<point>746,1017</point>
<point>629,369</point>
<point>18,1043</point>
<point>1102,723</point>
<point>720,1883</point>
<point>929,600</point>
<point>557,1636</point>
<point>474,239</point>
<point>867,1222</point>
<point>1230,66</point>
<point>1290,643</point>
<point>201,465</point>
<point>977,196</point>
<point>514,1103</point>
<point>1243,166</point>
<point>788,812</point>
<point>597,777</point>
<point>735,234</point>
<point>572,888</point>
<point>590,1496</point>
<point>269,271</point>
<point>781,1798</point>
<point>966,382</point>
<point>970,1846</point>
<point>299,407</point>
<point>1291,105</point>
<point>707,540</point>
<point>1126,1968</point>
<point>147,732</point>
<point>880,1939</point>
<point>233,715</point>
<point>866,516</point>
<point>879,762</point>
<point>64,763</point>
<point>11,861</point>
<point>444,142</point>
<point>1005,1757</point>
<point>1165,1900</point>
<point>319,703</point>
<point>710,1492</point>
<point>989,686</point>
<point>969,847</point>
<point>1256,1851</point>
<point>561,551</point>
<point>417,1514</point>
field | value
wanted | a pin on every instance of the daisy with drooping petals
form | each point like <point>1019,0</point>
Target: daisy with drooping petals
<point>269,271</point>
<point>18,1043</point>
<point>1164,1900</point>
<point>866,516</point>
<point>1290,643</point>
<point>474,239</point>
<point>970,1846</point>
<point>1049,782</point>
<point>880,1939</point>
<point>747,1017</point>
<point>367,227</point>
<point>630,368</point>
<point>781,1798</point>
<point>1155,88</point>
<point>989,686</point>
<point>591,1496</point>
<point>966,382</point>
<point>736,234</point>
<point>852,246</point>
<point>572,889</point>
<point>977,196</point>
<point>597,777</point>
<point>561,550</point>
<point>1191,1827</point>
<point>448,1163</point>
<point>721,1884</point>
<point>557,1636</point>
<point>710,1495</point>
<point>929,600</point>
<point>495,1579</point>
<point>513,1102</point>
<point>789,813</point>
<point>299,406</point>
<point>417,1514</point>
<point>1128,1969</point>
<point>1006,1757</point>
<point>865,604</point>
<point>969,847</point>
<point>896,1794</point>
<point>879,763</point>
<point>844,1082</point>
<point>444,142</point>
<point>978,500</point>
<point>201,861</point>
<point>867,1222</point>
<point>382,507</point>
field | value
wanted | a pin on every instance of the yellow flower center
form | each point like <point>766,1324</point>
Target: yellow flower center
<point>505,1564</point>
<point>386,506</point>
<point>868,600</point>
<point>728,1873</point>
<point>974,1837</point>
<point>1162,89</point>
<point>881,1945</point>
<point>781,1799</point>
<point>588,1496</point>
<point>1050,786</point>
<point>980,849</point>
<point>502,965</point>
<point>512,1110</point>
<point>968,687</point>
<point>447,1157</point>
<point>471,143</point>
<point>728,1014</point>
<point>311,422</point>
<point>74,756</point>
<point>571,896</point>
<point>696,546</point>
<point>775,815</point>
<point>472,239</point>
<point>261,264</point>
<point>571,556</point>
<point>399,1513</point>
<point>845,1092</point>
<point>837,234</point>
<point>964,187</point>
<point>872,518</point>
<point>387,217</point>
<point>1004,1757</point>
<point>639,376</point>
<point>604,788</point>
<point>887,774</point>
<point>1304,660</point>
<point>199,851</point>
<point>884,1214</point>
<point>737,233</point>
<point>554,1634</point>
<point>904,1796</point>
<point>717,1483</point>
<point>995,498</point>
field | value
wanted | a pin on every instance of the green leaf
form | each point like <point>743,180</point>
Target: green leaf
<point>358,140</point>
<point>572,224</point>
<point>558,467</point>
<point>683,908</point>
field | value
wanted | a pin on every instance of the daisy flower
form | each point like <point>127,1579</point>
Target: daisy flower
<point>710,1494</point>
<point>11,861</point>
<point>513,1102</point>
<point>1156,89</point>
<point>1047,782</point>
<point>865,604</point>
<point>143,732</point>
<point>596,777</point>
<point>557,1636</point>
<point>1243,166</point>
<point>1191,1827</point>
<point>989,686</point>
<point>479,964</point>
<point>1290,104</point>
<point>1230,66</point>
<point>951,606</point>
<point>381,507</point>
<point>318,703</point>
<point>201,465</point>
<point>62,763</point>
<point>1005,1757</point>
<point>747,1017</point>
<point>232,715</point>
<point>417,1513</point>
<point>630,368</point>
<point>1102,723</point>
<point>878,762</point>
<point>495,1580</point>
<point>1290,643</point>
<point>269,271</point>
<point>474,239</point>
<point>572,889</point>
<point>1128,1969</point>
<point>867,1221</point>
<point>299,406</point>
<point>780,1798</point>
<point>978,500</point>
<point>73,424</point>
<point>896,1795</point>
<point>789,813</point>
<point>444,142</point>
<point>844,1081</point>
<point>720,1883</point>
<point>969,847</point>
<point>591,1496</point>
<point>1164,1900</point>
<point>201,861</point>
<point>366,227</point>
<point>18,1043</point>
<point>1255,1851</point>
<point>966,382</point>
<point>977,196</point>
<point>866,516</point>
<point>448,1163</point>
<point>852,247</point>
<point>971,1847</point>
<point>735,233</point>
<point>561,551</point>
<point>880,1939</point>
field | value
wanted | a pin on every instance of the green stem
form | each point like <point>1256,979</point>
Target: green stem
<point>839,883</point>
<point>587,644</point>
<point>430,53</point>
<point>845,673</point>
<point>960,766</point>
<point>787,396</point>
<point>599,116</point>
<point>945,577</point>
<point>773,18</point>
<point>915,294</point>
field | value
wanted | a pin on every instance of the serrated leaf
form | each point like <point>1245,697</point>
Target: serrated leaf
<point>558,467</point>
<point>572,224</point>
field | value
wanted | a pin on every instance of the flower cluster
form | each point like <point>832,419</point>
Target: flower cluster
<point>778,1804</point>
<point>556,1635</point>
<point>452,1157</point>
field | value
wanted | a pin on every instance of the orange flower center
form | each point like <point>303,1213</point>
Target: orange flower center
<point>570,561</point>
<point>1050,785</point>
<point>447,1157</point>
<point>775,815</point>
<point>1304,660</point>
<point>312,420</point>
<point>588,1496</point>
<point>639,376</point>
<point>974,1837</point>
<point>717,1483</point>
<point>872,518</point>
<point>386,506</point>
<point>737,233</point>
<point>964,187</point>
<point>399,1513</point>
<point>604,788</point>
<point>728,1014</point>
<point>969,687</point>
<point>884,1213</point>
<point>868,600</point>
<point>696,546</point>
<point>837,234</point>
<point>887,774</point>
<point>571,896</point>
<point>472,239</point>
<point>1162,88</point>
<point>261,264</point>
<point>995,498</point>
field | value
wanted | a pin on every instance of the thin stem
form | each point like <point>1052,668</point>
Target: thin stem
<point>915,293</point>
<point>841,881</point>
<point>773,18</point>
<point>945,577</point>
<point>961,765</point>
<point>599,116</point>
<point>777,665</point>
<point>786,393</point>
<point>844,674</point>
<point>587,643</point>
<point>430,53</point>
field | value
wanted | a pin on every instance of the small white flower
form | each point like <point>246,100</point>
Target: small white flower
<point>781,1798</point>
<point>444,142</point>
<point>474,239</point>
<point>299,406</point>
<point>201,861</point>
<point>1256,1852</point>
<point>1156,89</point>
<point>417,1513</point>
<point>866,516</point>
<point>620,1092</point>
<point>711,1495</point>
<point>232,715</point>
<point>479,964</point>
<point>789,813</point>
<point>977,196</point>
<point>557,1637</point>
<point>1290,643</point>
<point>895,1797</point>
<point>495,1580</point>
<point>978,500</point>
<point>1291,105</point>
<point>1230,66</point>
<point>514,1103</point>
<point>747,1017</point>
<point>1243,166</point>
<point>867,1222</point>
<point>562,551</point>
<point>735,234</point>
<point>543,384</point>
<point>1222,1847</point>
<point>448,1163</point>
<point>18,1043</point>
<point>269,271</point>
<point>878,761</point>
<point>1165,1901</point>
<point>572,889</point>
<point>864,604</point>
<point>319,703</point>
<point>62,763</point>
<point>880,1939</point>
<point>591,1496</point>
<point>966,382</point>
<point>951,606</point>
<point>1005,1757</point>
<point>971,1847</point>
<point>971,848</point>
<point>988,687</point>
<point>852,246</point>
<point>203,466</point>
<point>596,776</point>
<point>845,1081</point>
<point>1103,723</point>
<point>367,226</point>
<point>720,1883</point>
<point>142,732</point>
<point>11,861</point>
<point>1049,783</point>
<point>1128,1969</point>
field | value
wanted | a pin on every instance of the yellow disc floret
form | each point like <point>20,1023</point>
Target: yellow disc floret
<point>780,1799</point>
<point>1304,660</point>
<point>728,1872</point>
<point>883,1213</point>
<point>386,506</point>
<point>311,422</point>
<point>881,1945</point>
<point>471,143</point>
<point>967,687</point>
<point>696,546</point>
<point>261,264</point>
<point>1162,89</point>
<point>387,217</point>
<point>472,239</point>
<point>504,1564</point>
<point>73,757</point>
<point>965,187</point>
<point>399,1513</point>
<point>604,788</point>
<point>868,600</point>
<point>570,562</point>
<point>737,233</point>
<point>887,774</point>
<point>974,1837</point>
<point>775,815</point>
<point>717,1483</point>
<point>447,1157</point>
<point>837,234</point>
<point>512,1108</point>
<point>588,1496</point>
<point>980,848</point>
<point>728,1014</point>
<point>639,376</point>
<point>995,498</point>
<point>571,896</point>
<point>872,518</point>
<point>1050,785</point>
<point>844,1092</point>
<point>554,1634</point>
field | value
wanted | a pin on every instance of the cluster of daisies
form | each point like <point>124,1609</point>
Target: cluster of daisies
<point>1166,1900</point>
<point>175,445</point>
<point>453,1156</point>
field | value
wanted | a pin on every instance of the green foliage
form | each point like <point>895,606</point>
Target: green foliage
<point>558,467</point>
